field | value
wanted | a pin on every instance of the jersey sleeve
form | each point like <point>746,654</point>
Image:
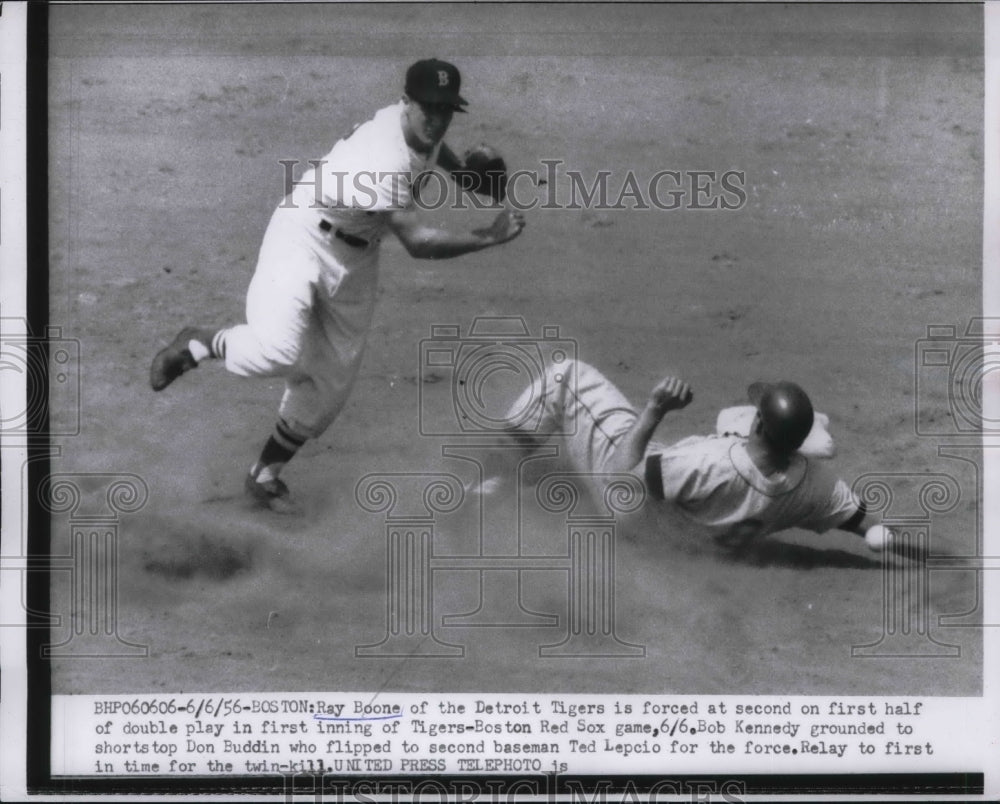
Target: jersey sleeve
<point>831,500</point>
<point>685,473</point>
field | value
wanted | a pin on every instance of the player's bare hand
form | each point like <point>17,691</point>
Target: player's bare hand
<point>671,394</point>
<point>506,226</point>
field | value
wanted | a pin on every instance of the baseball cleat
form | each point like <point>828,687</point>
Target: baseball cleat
<point>174,360</point>
<point>271,494</point>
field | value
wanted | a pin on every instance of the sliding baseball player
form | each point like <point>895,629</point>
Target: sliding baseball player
<point>310,303</point>
<point>729,484</point>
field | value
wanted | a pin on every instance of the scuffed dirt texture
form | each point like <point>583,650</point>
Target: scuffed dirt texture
<point>859,131</point>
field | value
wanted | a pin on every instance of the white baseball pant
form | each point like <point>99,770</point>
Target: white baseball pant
<point>309,309</point>
<point>582,405</point>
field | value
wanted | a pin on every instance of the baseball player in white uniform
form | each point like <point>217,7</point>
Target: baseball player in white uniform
<point>728,485</point>
<point>310,302</point>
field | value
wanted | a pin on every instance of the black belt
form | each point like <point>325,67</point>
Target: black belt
<point>654,477</point>
<point>351,240</point>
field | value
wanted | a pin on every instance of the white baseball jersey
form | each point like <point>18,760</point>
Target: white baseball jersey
<point>312,297</point>
<point>713,481</point>
<point>366,175</point>
<point>710,480</point>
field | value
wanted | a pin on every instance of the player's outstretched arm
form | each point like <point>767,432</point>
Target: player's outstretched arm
<point>430,243</point>
<point>670,394</point>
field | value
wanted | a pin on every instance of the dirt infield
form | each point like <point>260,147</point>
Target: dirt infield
<point>859,133</point>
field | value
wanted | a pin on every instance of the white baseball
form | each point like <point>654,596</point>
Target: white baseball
<point>878,537</point>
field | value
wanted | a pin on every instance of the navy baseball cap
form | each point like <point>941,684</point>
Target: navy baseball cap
<point>435,81</point>
<point>785,413</point>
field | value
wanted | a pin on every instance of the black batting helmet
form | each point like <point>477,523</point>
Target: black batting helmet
<point>786,414</point>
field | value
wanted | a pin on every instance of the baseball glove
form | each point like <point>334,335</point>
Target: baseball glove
<point>484,172</point>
